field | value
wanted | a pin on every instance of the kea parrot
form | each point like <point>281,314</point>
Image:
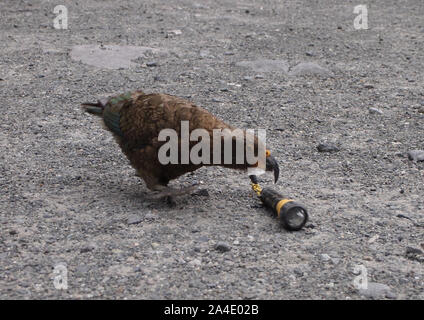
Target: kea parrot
<point>136,120</point>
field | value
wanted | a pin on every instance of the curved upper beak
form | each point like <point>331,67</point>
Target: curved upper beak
<point>272,165</point>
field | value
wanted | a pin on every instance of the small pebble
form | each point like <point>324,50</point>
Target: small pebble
<point>220,206</point>
<point>325,257</point>
<point>150,216</point>
<point>89,247</point>
<point>375,111</point>
<point>195,262</point>
<point>222,247</point>
<point>326,147</point>
<point>203,239</point>
<point>414,254</point>
<point>175,32</point>
<point>416,155</point>
<point>298,272</point>
<point>134,219</point>
<point>202,193</point>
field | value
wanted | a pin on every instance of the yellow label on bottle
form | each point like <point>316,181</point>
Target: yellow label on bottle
<point>280,204</point>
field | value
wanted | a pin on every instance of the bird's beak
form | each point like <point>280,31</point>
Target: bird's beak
<point>272,165</point>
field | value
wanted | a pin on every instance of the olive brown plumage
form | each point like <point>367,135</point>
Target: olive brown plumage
<point>136,119</point>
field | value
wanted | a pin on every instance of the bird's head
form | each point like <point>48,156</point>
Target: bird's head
<point>272,165</point>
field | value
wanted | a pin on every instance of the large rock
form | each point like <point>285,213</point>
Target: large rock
<point>265,65</point>
<point>308,68</point>
<point>111,56</point>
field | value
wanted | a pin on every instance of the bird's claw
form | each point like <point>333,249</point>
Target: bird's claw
<point>171,201</point>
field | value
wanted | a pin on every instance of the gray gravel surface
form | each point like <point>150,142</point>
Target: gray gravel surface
<point>296,68</point>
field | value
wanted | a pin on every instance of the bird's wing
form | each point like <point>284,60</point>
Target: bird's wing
<point>139,120</point>
<point>142,119</point>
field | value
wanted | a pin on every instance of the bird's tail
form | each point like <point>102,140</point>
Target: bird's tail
<point>94,108</point>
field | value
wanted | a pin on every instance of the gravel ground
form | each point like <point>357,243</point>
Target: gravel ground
<point>297,68</point>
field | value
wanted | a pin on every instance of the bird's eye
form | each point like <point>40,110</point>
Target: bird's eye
<point>268,153</point>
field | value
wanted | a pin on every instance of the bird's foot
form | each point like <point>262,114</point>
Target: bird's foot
<point>167,192</point>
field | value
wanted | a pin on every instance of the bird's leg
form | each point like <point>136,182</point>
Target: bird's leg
<point>171,201</point>
<point>161,192</point>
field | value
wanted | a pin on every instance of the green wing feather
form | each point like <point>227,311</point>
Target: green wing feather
<point>112,112</point>
<point>112,120</point>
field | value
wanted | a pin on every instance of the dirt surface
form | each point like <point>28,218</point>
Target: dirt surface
<point>296,68</point>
